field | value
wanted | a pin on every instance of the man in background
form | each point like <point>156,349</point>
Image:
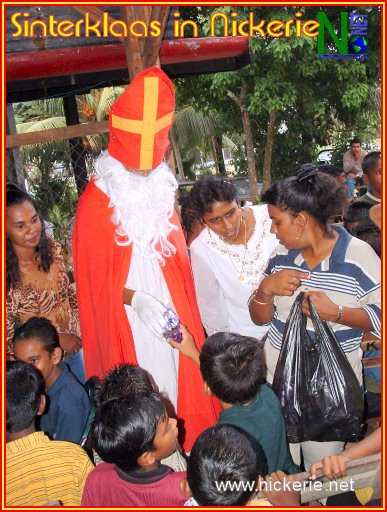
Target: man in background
<point>352,164</point>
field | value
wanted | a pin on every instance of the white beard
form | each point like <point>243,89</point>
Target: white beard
<point>142,205</point>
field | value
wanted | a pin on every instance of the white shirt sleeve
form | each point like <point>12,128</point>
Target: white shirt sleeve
<point>211,301</point>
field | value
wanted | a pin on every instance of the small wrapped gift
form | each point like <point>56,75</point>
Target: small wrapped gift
<point>172,326</point>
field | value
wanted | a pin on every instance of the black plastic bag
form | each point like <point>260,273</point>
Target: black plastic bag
<point>319,392</point>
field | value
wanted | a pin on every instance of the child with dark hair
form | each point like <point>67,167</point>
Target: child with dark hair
<point>221,457</point>
<point>191,225</point>
<point>336,172</point>
<point>233,368</point>
<point>38,470</point>
<point>124,381</point>
<point>370,233</point>
<point>372,177</point>
<point>37,342</point>
<point>132,435</point>
<point>355,214</point>
<point>221,454</point>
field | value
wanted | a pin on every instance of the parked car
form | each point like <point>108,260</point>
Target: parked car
<point>325,156</point>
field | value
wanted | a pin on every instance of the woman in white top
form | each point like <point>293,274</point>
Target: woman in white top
<point>228,257</point>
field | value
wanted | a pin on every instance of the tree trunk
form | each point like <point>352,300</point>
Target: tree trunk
<point>217,171</point>
<point>14,164</point>
<point>266,174</point>
<point>176,151</point>
<point>249,142</point>
<point>218,153</point>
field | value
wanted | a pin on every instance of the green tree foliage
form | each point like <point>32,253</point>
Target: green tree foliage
<point>314,101</point>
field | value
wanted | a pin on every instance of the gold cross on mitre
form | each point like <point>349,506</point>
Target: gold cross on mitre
<point>149,126</point>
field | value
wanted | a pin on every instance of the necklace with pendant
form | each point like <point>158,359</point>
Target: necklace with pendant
<point>241,277</point>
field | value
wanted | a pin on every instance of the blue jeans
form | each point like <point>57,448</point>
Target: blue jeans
<point>351,186</point>
<point>76,366</point>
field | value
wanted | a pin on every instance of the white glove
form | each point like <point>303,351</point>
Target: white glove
<point>150,311</point>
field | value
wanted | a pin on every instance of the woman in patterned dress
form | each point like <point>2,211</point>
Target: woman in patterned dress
<point>37,281</point>
<point>228,257</point>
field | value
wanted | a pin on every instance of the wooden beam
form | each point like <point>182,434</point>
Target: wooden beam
<point>132,44</point>
<point>68,132</point>
<point>143,13</point>
<point>360,473</point>
<point>153,44</point>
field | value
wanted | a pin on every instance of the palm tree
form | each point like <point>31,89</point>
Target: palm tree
<point>193,130</point>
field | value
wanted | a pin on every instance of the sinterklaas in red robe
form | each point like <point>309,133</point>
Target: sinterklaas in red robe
<point>101,268</point>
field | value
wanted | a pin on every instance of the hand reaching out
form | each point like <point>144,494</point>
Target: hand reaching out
<point>187,346</point>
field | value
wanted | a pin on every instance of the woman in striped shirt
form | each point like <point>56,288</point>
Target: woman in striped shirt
<point>340,273</point>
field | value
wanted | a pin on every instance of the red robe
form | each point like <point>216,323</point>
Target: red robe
<point>101,269</point>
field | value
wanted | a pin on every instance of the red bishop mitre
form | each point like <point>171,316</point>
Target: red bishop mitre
<point>140,120</point>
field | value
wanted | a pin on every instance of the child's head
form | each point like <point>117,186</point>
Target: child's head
<point>134,432</point>
<point>233,366</point>
<point>25,395</point>
<point>372,172</point>
<point>332,170</point>
<point>370,233</point>
<point>122,381</point>
<point>223,454</point>
<point>37,342</point>
<point>355,214</point>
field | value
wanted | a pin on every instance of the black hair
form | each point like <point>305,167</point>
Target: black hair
<point>308,191</point>
<point>15,195</point>
<point>233,366</point>
<point>222,454</point>
<point>122,381</point>
<point>41,329</point>
<point>331,170</point>
<point>369,161</point>
<point>355,140</point>
<point>187,212</point>
<point>25,385</point>
<point>125,428</point>
<point>357,212</point>
<point>209,190</point>
<point>370,233</point>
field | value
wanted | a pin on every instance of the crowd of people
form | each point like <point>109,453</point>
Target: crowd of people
<point>177,409</point>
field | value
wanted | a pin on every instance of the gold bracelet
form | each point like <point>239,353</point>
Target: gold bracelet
<point>339,314</point>
<point>263,303</point>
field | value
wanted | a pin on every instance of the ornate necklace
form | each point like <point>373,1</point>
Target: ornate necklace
<point>241,277</point>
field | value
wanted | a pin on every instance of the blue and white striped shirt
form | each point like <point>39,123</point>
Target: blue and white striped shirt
<point>350,276</point>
